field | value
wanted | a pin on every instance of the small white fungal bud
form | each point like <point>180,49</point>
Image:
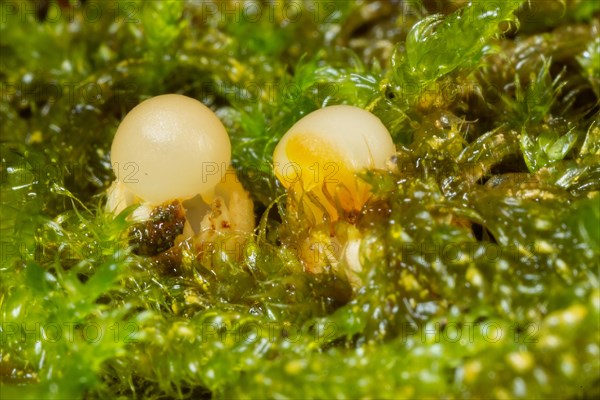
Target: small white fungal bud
<point>170,147</point>
<point>174,148</point>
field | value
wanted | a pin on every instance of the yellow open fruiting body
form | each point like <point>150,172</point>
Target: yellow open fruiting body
<point>170,147</point>
<point>319,156</point>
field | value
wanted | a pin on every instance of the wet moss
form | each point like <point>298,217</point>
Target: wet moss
<point>479,247</point>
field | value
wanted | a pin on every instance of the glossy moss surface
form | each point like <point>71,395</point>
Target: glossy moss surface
<point>479,247</point>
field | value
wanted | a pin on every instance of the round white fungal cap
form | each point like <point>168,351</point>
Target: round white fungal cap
<point>356,135</point>
<point>327,147</point>
<point>170,147</point>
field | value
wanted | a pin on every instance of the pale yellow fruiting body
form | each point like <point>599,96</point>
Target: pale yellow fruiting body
<point>318,160</point>
<point>170,147</point>
<point>319,156</point>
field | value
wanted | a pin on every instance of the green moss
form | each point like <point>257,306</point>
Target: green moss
<point>479,247</point>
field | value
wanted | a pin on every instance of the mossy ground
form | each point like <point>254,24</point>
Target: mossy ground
<point>480,246</point>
